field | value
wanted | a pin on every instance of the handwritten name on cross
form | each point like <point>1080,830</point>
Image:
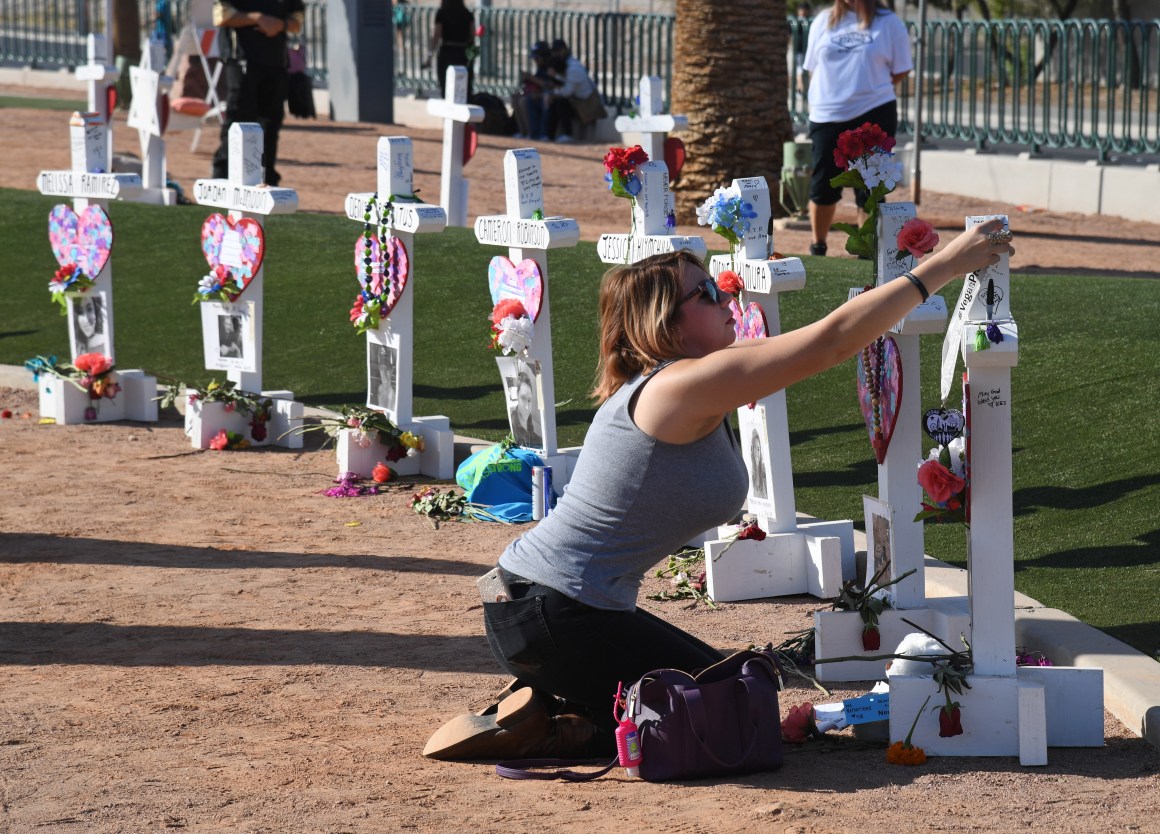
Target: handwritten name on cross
<point>652,123</point>
<point>395,177</point>
<point>86,180</point>
<point>653,210</point>
<point>242,196</point>
<point>455,112</point>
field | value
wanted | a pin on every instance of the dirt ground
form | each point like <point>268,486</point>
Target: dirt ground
<point>209,645</point>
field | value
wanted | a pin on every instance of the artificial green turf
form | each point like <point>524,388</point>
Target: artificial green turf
<point>1084,396</point>
<point>42,103</point>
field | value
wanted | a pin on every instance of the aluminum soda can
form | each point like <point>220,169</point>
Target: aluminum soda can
<point>541,491</point>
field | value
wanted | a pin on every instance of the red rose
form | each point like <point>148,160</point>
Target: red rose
<point>939,482</point>
<point>381,473</point>
<point>93,364</point>
<point>917,237</point>
<point>871,638</point>
<point>258,430</point>
<point>6,414</point>
<point>950,721</point>
<point>396,452</point>
<point>508,307</point>
<point>798,724</point>
<point>750,530</point>
<point>730,282</point>
<point>220,441</point>
<point>624,160</point>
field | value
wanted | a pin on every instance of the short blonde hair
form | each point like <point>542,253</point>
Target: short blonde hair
<point>638,314</point>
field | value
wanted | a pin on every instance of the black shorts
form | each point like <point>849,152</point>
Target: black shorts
<point>824,136</point>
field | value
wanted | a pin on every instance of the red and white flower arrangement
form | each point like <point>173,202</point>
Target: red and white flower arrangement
<point>512,329</point>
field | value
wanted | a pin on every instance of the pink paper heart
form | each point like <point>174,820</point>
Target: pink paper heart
<point>389,276</point>
<point>889,370</point>
<point>246,247</point>
<point>522,282</point>
<point>750,323</point>
<point>85,239</point>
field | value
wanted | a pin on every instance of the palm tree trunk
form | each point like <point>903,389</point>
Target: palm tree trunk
<point>730,80</point>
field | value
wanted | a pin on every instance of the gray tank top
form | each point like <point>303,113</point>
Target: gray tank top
<point>632,500</point>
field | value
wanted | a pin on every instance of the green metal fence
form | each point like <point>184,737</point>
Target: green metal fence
<point>1035,84</point>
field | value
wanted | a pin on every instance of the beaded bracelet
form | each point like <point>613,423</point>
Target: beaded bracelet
<point>917,283</point>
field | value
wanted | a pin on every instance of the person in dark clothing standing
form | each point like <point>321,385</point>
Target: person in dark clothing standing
<point>253,46</point>
<point>452,35</point>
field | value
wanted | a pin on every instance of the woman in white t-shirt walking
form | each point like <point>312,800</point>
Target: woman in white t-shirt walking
<point>857,51</point>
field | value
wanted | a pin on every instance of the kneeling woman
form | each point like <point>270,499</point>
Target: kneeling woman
<point>659,466</point>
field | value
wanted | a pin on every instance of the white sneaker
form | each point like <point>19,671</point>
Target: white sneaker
<point>564,139</point>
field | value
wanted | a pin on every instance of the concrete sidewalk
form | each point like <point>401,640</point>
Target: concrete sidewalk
<point>1131,678</point>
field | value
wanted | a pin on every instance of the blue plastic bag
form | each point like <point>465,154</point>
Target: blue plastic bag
<point>500,478</point>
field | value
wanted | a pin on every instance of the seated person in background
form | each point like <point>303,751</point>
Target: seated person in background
<point>575,97</point>
<point>530,105</point>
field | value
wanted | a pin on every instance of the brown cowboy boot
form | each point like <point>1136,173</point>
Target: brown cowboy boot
<point>520,728</point>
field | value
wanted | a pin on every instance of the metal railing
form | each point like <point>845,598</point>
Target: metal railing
<point>1037,84</point>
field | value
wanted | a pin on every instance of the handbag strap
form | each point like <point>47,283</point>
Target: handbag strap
<point>523,769</point>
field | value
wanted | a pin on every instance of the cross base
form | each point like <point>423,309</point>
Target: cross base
<point>437,460</point>
<point>1012,715</point>
<point>66,404</point>
<point>203,421</point>
<point>807,560</point>
<point>839,634</point>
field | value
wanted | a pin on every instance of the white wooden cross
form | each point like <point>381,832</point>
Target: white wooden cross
<point>1007,710</point>
<point>839,633</point>
<point>99,74</point>
<point>86,183</point>
<point>242,196</point>
<point>149,87</point>
<point>396,331</point>
<point>653,218</point>
<point>529,238</point>
<point>794,558</point>
<point>652,123</point>
<point>455,112</point>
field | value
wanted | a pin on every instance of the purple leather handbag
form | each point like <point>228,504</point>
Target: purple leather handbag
<point>723,721</point>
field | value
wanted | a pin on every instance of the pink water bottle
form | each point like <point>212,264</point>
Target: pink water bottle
<point>627,739</point>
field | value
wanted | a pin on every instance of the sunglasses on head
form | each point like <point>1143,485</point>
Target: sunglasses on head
<point>708,289</point>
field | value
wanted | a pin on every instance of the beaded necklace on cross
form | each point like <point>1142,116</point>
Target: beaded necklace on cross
<point>872,364</point>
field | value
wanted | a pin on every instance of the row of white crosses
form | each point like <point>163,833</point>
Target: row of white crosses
<point>795,557</point>
<point>395,332</point>
<point>839,633</point>
<point>528,239</point>
<point>242,195</point>
<point>86,233</point>
<point>1008,710</point>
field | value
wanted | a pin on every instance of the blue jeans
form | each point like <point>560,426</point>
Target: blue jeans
<point>580,653</point>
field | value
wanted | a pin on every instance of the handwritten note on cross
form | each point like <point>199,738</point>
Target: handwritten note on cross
<point>652,123</point>
<point>455,112</point>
